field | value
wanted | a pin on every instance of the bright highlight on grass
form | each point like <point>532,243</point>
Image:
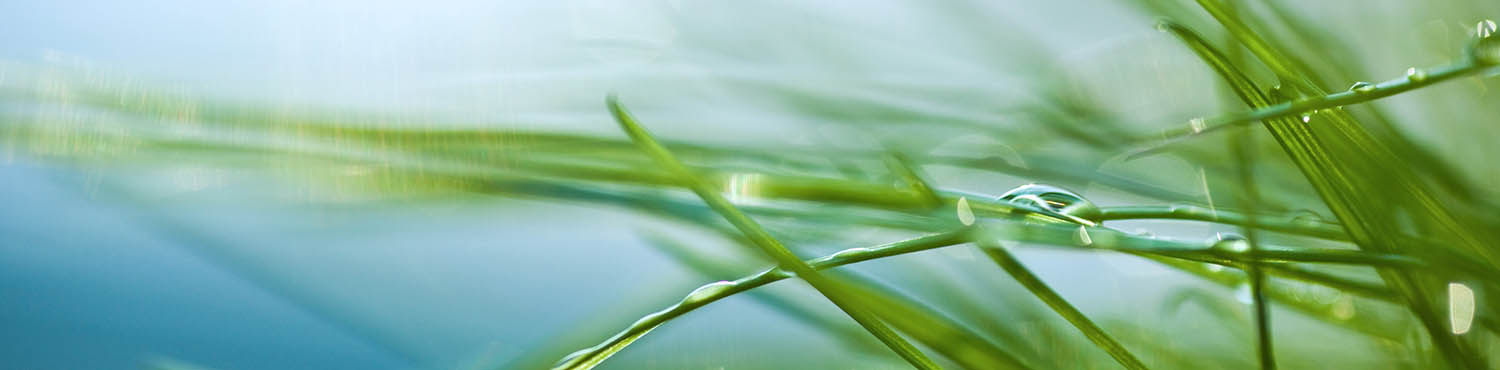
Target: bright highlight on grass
<point>1460,307</point>
<point>965,215</point>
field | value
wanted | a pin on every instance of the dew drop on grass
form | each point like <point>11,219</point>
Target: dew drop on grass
<point>1307,218</point>
<point>1486,47</point>
<point>1460,307</point>
<point>1362,87</point>
<point>965,215</point>
<point>1057,200</point>
<point>1082,237</point>
<point>707,291</point>
<point>850,253</point>
<point>1306,118</point>
<point>1197,125</point>
<point>1232,243</point>
<point>1163,26</point>
<point>1415,74</point>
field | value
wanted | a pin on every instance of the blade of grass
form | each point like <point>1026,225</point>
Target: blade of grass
<point>946,336</point>
<point>1327,177</point>
<point>906,171</point>
<point>710,267</point>
<point>768,245</point>
<point>1204,126</point>
<point>719,290</point>
<point>1250,193</point>
<point>1040,289</point>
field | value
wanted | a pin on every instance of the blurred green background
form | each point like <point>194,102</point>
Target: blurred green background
<point>437,185</point>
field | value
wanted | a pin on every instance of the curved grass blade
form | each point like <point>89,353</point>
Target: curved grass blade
<point>1329,178</point>
<point>712,292</point>
<point>944,335</point>
<point>768,245</point>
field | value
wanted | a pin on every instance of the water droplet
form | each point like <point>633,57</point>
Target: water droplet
<point>1415,74</point>
<point>1196,124</point>
<point>1461,304</point>
<point>1232,243</point>
<point>965,215</point>
<point>850,253</point>
<point>1307,218</point>
<point>1486,46</point>
<point>1275,91</point>
<point>1306,118</point>
<point>1362,87</point>
<point>707,291</point>
<point>1064,204</point>
<point>1082,237</point>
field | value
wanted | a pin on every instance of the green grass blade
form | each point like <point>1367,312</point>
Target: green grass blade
<point>1463,67</point>
<point>713,292</point>
<point>948,337</point>
<point>1331,179</point>
<point>769,245</point>
<point>906,171</point>
<point>1040,289</point>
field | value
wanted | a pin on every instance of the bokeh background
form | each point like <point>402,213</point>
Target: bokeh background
<point>179,262</point>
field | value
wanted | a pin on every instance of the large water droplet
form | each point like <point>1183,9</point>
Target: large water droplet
<point>1415,74</point>
<point>1064,204</point>
<point>1362,87</point>
<point>1232,243</point>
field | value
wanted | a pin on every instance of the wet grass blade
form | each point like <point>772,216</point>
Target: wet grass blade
<point>944,335</point>
<point>715,291</point>
<point>1330,179</point>
<point>769,245</point>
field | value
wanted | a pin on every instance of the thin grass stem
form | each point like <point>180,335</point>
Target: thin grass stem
<point>758,236</point>
<point>1032,283</point>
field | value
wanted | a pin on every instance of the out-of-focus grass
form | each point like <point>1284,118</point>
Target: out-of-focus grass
<point>1408,223</point>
